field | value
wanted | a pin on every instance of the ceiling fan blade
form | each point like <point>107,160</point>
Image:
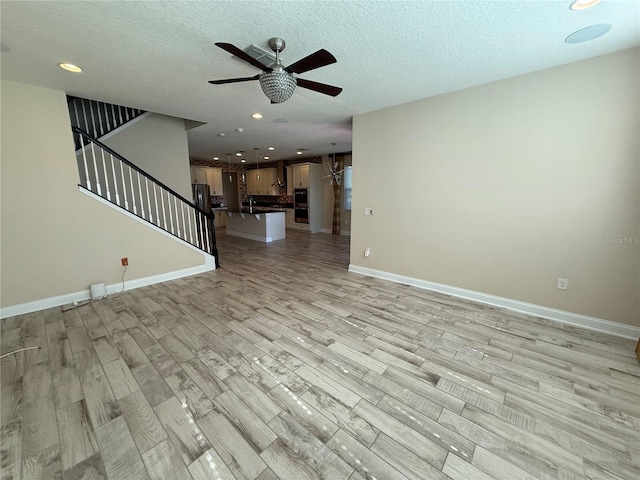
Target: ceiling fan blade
<point>310,62</point>
<point>233,50</point>
<point>234,80</point>
<point>319,87</point>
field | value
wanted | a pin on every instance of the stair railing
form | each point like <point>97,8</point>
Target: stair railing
<point>98,118</point>
<point>109,175</point>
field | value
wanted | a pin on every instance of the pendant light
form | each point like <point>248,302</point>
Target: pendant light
<point>229,160</point>
<point>257,165</point>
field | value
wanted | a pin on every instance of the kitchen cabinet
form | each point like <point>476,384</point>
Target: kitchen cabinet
<point>214,179</point>
<point>260,182</point>
<point>220,219</point>
<point>199,175</point>
<point>289,180</point>
<point>209,175</point>
<point>301,175</point>
<point>288,218</point>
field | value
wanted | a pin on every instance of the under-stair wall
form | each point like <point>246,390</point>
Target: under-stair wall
<point>56,241</point>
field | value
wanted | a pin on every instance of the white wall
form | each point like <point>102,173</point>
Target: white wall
<point>158,145</point>
<point>56,240</point>
<point>505,187</point>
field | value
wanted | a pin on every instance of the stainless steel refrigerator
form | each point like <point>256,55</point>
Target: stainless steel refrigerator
<point>201,196</point>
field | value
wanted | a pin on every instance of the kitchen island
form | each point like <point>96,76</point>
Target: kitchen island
<point>265,226</point>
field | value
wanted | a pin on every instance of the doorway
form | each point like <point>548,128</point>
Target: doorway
<point>230,190</point>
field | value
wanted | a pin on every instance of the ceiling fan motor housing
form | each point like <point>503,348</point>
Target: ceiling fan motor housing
<point>278,86</point>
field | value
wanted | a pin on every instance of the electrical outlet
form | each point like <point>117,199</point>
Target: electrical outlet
<point>124,261</point>
<point>368,211</point>
<point>563,283</point>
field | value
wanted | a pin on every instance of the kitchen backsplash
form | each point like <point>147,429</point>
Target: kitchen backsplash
<point>281,199</point>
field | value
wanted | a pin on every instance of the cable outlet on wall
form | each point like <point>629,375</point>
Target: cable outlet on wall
<point>563,283</point>
<point>124,261</point>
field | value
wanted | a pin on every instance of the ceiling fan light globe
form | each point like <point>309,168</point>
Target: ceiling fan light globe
<point>277,86</point>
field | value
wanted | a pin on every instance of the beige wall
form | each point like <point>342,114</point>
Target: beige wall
<point>505,187</point>
<point>158,145</point>
<point>56,240</point>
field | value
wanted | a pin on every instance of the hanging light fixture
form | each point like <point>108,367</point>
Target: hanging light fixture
<point>229,160</point>
<point>257,164</point>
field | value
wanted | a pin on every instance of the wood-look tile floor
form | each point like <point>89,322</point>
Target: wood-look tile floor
<point>282,365</point>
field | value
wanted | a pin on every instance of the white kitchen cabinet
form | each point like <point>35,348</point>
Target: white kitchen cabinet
<point>289,180</point>
<point>220,219</point>
<point>199,175</point>
<point>214,179</point>
<point>288,218</point>
<point>260,182</point>
<point>252,181</point>
<point>209,175</point>
<point>301,175</point>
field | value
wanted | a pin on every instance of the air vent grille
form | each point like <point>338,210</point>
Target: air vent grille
<point>263,56</point>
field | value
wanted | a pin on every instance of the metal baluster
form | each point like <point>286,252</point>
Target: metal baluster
<point>120,114</point>
<point>114,120</point>
<point>140,193</point>
<point>146,183</point>
<point>124,187</point>
<point>126,113</point>
<point>164,214</point>
<point>93,120</point>
<point>115,180</point>
<point>170,212</point>
<point>106,178</point>
<point>133,193</point>
<point>106,117</point>
<point>99,119</point>
<point>184,222</point>
<point>84,114</point>
<point>95,170</point>
<point>206,233</point>
<point>190,210</point>
<point>175,205</point>
<point>75,109</point>
<point>86,167</point>
<point>155,196</point>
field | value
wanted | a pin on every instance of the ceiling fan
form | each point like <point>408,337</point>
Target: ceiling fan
<point>278,82</point>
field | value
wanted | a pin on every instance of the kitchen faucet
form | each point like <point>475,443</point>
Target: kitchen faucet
<point>250,204</point>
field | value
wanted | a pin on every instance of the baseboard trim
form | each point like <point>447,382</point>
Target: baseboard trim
<point>326,230</point>
<point>68,298</point>
<point>576,319</point>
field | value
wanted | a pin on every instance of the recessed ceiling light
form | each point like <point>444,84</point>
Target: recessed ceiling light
<point>216,158</point>
<point>271,148</point>
<point>257,116</point>
<point>239,154</point>
<point>242,160</point>
<point>299,152</point>
<point>70,67</point>
<point>583,4</point>
<point>221,134</point>
<point>588,33</point>
<point>239,130</point>
<point>266,158</point>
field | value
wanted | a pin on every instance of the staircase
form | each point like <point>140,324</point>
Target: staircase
<point>115,179</point>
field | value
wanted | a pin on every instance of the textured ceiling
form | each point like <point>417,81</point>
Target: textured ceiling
<point>158,56</point>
